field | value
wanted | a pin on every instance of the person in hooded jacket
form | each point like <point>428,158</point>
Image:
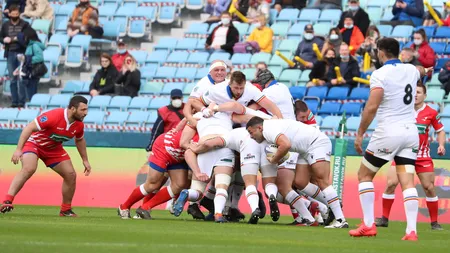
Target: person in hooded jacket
<point>104,79</point>
<point>35,50</point>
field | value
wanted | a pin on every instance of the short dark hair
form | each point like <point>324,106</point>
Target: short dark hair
<point>76,100</point>
<point>422,33</point>
<point>254,122</point>
<point>389,46</point>
<point>238,77</point>
<point>420,85</point>
<point>300,106</point>
<point>14,7</point>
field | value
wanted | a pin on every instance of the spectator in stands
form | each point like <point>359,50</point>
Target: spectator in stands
<point>8,37</point>
<point>407,56</point>
<point>360,16</point>
<point>241,5</point>
<point>119,57</point>
<point>105,78</point>
<point>319,73</point>
<point>351,34</point>
<point>333,41</point>
<point>215,9</point>
<point>428,20</point>
<point>348,67</point>
<point>35,51</point>
<point>305,47</point>
<point>256,9</point>
<point>262,35</point>
<point>129,80</point>
<point>39,9</point>
<point>370,46</point>
<point>19,3</point>
<point>444,78</point>
<point>327,4</point>
<point>407,12</point>
<point>168,117</point>
<point>446,15</point>
<point>298,4</point>
<point>423,52</point>
<point>224,36</point>
<point>84,20</point>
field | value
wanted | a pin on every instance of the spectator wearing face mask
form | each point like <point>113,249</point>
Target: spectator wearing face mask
<point>119,57</point>
<point>326,4</point>
<point>348,66</point>
<point>333,41</point>
<point>305,47</point>
<point>263,35</point>
<point>168,116</point>
<point>360,17</point>
<point>422,50</point>
<point>224,36</point>
<point>407,12</point>
<point>351,34</point>
<point>370,46</point>
<point>18,3</point>
<point>256,9</point>
<point>215,8</point>
<point>407,56</point>
<point>321,69</point>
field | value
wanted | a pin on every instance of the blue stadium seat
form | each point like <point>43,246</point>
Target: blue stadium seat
<point>359,93</point>
<point>309,15</point>
<point>402,31</point>
<point>238,58</point>
<point>8,115</point>
<point>295,32</point>
<point>280,29</point>
<point>436,107</point>
<point>322,29</point>
<point>137,118</point>
<point>188,88</point>
<point>139,104</point>
<point>260,57</point>
<point>165,72</point>
<point>353,123</point>
<point>119,103</point>
<point>167,14</point>
<point>59,101</point>
<point>289,15</point>
<point>74,56</point>
<point>290,77</point>
<point>330,123</point>
<point>385,30</point>
<point>151,88</point>
<point>319,120</point>
<point>337,93</point>
<point>43,37</point>
<point>39,101</point>
<point>194,4</point>
<point>107,11</point>
<point>313,104</point>
<point>41,25</point>
<point>59,39</point>
<point>201,44</point>
<point>159,102</point>
<point>332,16</point>
<point>166,43</point>
<point>122,15</point>
<point>139,55</point>
<point>329,108</point>
<point>201,73</point>
<point>149,71</point>
<point>26,115</point>
<point>178,57</point>
<point>212,27</point>
<point>242,28</point>
<point>318,91</point>
<point>276,71</point>
<point>168,87</point>
<point>152,117</point>
<point>277,61</point>
<point>442,32</point>
<point>159,56</point>
<point>273,14</point>
<point>249,73</point>
<point>100,102</point>
<point>372,125</point>
<point>197,28</point>
<point>304,78</point>
<point>446,112</point>
<point>82,40</point>
<point>95,118</point>
<point>438,47</point>
<point>186,44</point>
<point>440,63</point>
<point>375,14</point>
<point>219,56</point>
<point>446,123</point>
<point>353,109</point>
<point>149,12</point>
<point>116,118</point>
<point>378,3</point>
<point>72,86</point>
<point>289,46</point>
<point>52,53</point>
<point>198,57</point>
<point>429,30</point>
<point>188,73</point>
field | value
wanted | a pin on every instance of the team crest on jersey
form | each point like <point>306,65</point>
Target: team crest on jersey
<point>43,119</point>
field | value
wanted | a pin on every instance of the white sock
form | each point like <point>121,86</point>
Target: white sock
<point>143,191</point>
<point>306,201</point>
<point>238,188</point>
<point>314,191</point>
<point>323,209</point>
<point>219,200</point>
<point>388,196</point>
<point>210,192</point>
<point>333,202</point>
<point>367,199</point>
<point>298,203</point>
<point>411,203</point>
<point>271,189</point>
<point>252,197</point>
<point>194,195</point>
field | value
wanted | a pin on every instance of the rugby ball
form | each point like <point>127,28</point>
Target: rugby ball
<point>272,149</point>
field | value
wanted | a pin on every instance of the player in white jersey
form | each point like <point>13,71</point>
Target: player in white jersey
<point>314,148</point>
<point>391,101</point>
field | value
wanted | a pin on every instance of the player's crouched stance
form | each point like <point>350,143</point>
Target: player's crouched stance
<point>42,139</point>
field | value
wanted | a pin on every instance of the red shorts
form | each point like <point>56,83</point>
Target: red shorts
<point>162,161</point>
<point>51,157</point>
<point>423,165</point>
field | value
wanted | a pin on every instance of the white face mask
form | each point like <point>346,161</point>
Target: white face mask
<point>225,21</point>
<point>177,103</point>
<point>345,57</point>
<point>257,25</point>
<point>348,26</point>
<point>308,36</point>
<point>334,37</point>
<point>353,7</point>
<point>418,42</point>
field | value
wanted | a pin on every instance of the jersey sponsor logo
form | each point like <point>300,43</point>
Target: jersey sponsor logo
<point>226,160</point>
<point>59,138</point>
<point>43,119</point>
<point>249,156</point>
<point>384,151</point>
<point>415,150</point>
<point>422,128</point>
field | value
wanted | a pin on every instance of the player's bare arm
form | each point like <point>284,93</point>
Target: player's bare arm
<point>271,107</point>
<point>187,135</point>
<point>187,110</point>
<point>191,159</point>
<point>284,144</point>
<point>441,141</point>
<point>370,110</point>
<point>180,126</point>
<point>234,107</point>
<point>26,133</point>
<point>207,145</point>
<point>81,147</point>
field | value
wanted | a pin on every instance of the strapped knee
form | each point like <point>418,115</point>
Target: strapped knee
<point>222,179</point>
<point>198,186</point>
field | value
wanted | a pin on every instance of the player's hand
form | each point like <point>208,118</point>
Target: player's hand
<point>211,107</point>
<point>202,177</point>
<point>358,144</point>
<point>441,150</point>
<point>87,168</point>
<point>272,161</point>
<point>17,156</point>
<point>207,112</point>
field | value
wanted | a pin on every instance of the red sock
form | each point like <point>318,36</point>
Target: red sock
<point>294,213</point>
<point>134,197</point>
<point>149,196</point>
<point>433,208</point>
<point>388,200</point>
<point>9,198</point>
<point>66,207</point>
<point>164,195</point>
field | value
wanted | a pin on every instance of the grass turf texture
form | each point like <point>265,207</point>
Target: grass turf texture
<point>39,229</point>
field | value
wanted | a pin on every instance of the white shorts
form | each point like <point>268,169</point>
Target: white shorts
<point>394,140</point>
<point>220,157</point>
<point>250,152</point>
<point>267,169</point>
<point>320,150</point>
<point>291,162</point>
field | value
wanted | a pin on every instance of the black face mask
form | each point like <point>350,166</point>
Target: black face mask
<point>14,19</point>
<point>330,59</point>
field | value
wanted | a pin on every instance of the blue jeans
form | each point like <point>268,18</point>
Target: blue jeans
<point>30,87</point>
<point>17,89</point>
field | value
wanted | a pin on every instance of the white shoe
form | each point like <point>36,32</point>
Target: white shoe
<point>319,218</point>
<point>124,214</point>
<point>338,224</point>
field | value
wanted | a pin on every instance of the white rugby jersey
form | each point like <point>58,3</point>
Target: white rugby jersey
<point>237,139</point>
<point>202,86</point>
<point>221,93</point>
<point>280,95</point>
<point>399,82</point>
<point>219,123</point>
<point>300,135</point>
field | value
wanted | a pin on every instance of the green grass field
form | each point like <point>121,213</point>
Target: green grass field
<point>38,229</point>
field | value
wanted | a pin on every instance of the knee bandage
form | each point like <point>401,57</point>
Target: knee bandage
<point>249,169</point>
<point>222,179</point>
<point>198,186</point>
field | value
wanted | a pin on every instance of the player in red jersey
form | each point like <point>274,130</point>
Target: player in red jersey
<point>303,114</point>
<point>425,117</point>
<point>167,157</point>
<point>42,139</point>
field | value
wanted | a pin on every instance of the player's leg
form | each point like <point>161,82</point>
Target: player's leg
<point>238,185</point>
<point>29,166</point>
<point>269,179</point>
<point>249,174</point>
<point>425,172</point>
<point>388,197</point>
<point>222,175</point>
<point>67,172</point>
<point>302,183</point>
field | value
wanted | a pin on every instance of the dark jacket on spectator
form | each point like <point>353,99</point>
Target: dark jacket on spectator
<point>444,77</point>
<point>414,11</point>
<point>243,6</point>
<point>20,3</point>
<point>319,71</point>
<point>161,126</point>
<point>128,83</point>
<point>298,4</point>
<point>232,38</point>
<point>305,51</point>
<point>361,20</point>
<point>10,30</point>
<point>109,76</point>
<point>351,71</point>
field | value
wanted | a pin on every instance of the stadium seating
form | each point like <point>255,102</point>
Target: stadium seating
<point>8,115</point>
<point>25,116</point>
<point>39,101</point>
<point>329,108</point>
<point>100,102</point>
<point>119,103</point>
<point>337,93</point>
